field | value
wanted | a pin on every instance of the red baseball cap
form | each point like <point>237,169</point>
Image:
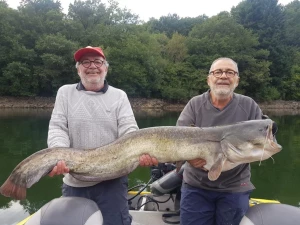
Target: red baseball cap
<point>89,49</point>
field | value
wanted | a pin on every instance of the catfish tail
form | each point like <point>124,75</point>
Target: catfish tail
<point>10,189</point>
<point>31,170</point>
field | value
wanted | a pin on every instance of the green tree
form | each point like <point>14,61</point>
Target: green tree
<point>15,58</point>
<point>292,18</point>
<point>179,80</point>
<point>39,17</point>
<point>135,63</point>
<point>92,12</point>
<point>3,4</point>
<point>56,65</point>
<point>88,13</point>
<point>87,19</point>
<point>16,80</point>
<point>41,6</point>
<point>9,34</point>
<point>293,84</point>
<point>176,49</point>
<point>222,36</point>
<point>266,19</point>
<point>172,23</point>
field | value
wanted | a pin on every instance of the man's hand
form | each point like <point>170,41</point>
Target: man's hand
<point>198,163</point>
<point>147,160</point>
<point>60,168</point>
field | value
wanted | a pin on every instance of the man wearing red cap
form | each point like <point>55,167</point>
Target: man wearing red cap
<point>87,115</point>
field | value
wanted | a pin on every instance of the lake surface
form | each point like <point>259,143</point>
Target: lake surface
<point>24,131</point>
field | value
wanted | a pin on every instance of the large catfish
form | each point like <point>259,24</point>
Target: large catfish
<point>223,148</point>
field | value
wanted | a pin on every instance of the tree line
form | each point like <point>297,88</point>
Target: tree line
<point>166,58</point>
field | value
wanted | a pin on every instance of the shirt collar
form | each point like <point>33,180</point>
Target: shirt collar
<point>80,87</point>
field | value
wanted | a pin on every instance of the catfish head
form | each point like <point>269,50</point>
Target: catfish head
<point>249,141</point>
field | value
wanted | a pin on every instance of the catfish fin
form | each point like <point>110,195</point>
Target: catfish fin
<point>179,164</point>
<point>216,169</point>
<point>10,189</point>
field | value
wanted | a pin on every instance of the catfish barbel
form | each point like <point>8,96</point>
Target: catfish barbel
<point>223,148</point>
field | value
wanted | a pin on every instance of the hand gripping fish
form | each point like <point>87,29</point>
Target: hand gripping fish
<point>223,148</point>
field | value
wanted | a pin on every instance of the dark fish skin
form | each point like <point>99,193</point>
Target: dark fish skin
<point>223,148</point>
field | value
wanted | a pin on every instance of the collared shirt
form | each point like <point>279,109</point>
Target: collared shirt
<point>80,87</point>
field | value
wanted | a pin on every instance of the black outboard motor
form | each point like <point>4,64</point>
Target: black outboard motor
<point>272,214</point>
<point>67,210</point>
<point>168,183</point>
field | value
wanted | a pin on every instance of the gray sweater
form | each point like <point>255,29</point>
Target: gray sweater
<point>86,119</point>
<point>200,112</point>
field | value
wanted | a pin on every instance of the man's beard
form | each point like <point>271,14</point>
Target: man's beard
<point>222,93</point>
<point>93,80</point>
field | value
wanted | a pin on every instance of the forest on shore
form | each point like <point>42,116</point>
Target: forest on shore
<point>166,58</point>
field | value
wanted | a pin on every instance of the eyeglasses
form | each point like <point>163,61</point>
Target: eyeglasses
<point>219,73</point>
<point>87,63</point>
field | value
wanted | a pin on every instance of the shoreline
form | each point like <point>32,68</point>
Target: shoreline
<point>136,103</point>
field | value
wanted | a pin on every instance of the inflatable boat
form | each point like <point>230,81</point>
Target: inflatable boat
<point>158,207</point>
<point>145,209</point>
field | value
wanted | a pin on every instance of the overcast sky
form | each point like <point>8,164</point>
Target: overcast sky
<point>157,8</point>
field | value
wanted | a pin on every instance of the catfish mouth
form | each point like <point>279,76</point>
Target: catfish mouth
<point>271,141</point>
<point>271,138</point>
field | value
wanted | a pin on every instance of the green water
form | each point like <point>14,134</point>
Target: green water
<point>23,132</point>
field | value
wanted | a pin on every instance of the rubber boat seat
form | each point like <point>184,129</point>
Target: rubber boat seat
<point>66,211</point>
<point>272,214</point>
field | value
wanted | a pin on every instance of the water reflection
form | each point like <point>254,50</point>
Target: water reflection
<point>25,112</point>
<point>13,208</point>
<point>282,112</point>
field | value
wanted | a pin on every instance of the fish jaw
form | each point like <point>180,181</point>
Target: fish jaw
<point>251,153</point>
<point>269,148</point>
<point>274,146</point>
<point>260,145</point>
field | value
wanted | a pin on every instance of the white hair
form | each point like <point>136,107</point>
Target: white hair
<point>225,58</point>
